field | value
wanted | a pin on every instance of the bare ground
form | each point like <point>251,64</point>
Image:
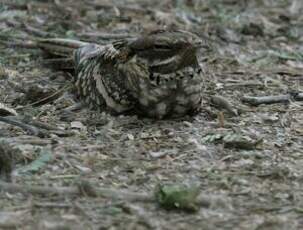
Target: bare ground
<point>247,163</point>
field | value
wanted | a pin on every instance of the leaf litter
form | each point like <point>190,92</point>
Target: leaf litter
<point>246,184</point>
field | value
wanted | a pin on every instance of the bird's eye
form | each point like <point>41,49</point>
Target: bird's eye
<point>162,47</point>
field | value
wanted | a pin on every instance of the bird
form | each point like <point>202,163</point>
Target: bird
<point>155,75</point>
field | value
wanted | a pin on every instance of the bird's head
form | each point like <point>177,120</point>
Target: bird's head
<point>163,44</point>
<point>165,50</point>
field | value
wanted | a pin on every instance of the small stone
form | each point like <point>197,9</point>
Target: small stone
<point>187,124</point>
<point>130,137</point>
<point>77,125</point>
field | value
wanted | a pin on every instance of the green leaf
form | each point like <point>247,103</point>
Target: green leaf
<point>37,164</point>
<point>177,197</point>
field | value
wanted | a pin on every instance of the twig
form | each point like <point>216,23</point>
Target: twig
<point>28,128</point>
<point>51,205</point>
<point>35,128</point>
<point>37,32</point>
<point>44,126</point>
<point>272,99</point>
<point>5,110</point>
<point>40,142</point>
<point>86,189</point>
<point>80,190</point>
<point>53,95</point>
<point>106,36</point>
<point>115,193</point>
<point>29,29</point>
<point>38,124</point>
<point>121,8</point>
<point>29,140</point>
<point>20,44</point>
<point>244,84</point>
<point>215,124</point>
<point>74,107</point>
<point>38,190</point>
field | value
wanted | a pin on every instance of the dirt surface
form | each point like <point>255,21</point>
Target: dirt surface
<point>246,160</point>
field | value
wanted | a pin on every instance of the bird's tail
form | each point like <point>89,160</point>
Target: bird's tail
<point>60,52</point>
<point>60,47</point>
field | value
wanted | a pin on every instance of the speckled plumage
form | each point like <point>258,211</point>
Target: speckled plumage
<point>156,75</point>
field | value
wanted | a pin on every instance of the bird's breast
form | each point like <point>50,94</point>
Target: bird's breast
<point>164,95</point>
<point>131,85</point>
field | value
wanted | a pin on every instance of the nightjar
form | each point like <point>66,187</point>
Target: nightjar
<point>155,75</point>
